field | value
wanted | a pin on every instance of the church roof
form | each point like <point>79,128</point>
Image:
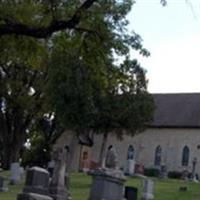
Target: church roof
<point>177,110</point>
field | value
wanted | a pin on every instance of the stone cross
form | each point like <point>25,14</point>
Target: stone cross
<point>58,189</point>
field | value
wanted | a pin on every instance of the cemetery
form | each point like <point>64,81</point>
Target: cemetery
<point>109,183</point>
<point>80,188</point>
<point>77,119</point>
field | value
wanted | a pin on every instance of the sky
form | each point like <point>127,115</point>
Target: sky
<point>172,35</point>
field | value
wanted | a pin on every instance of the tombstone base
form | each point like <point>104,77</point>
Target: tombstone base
<point>147,196</point>
<point>4,189</point>
<point>107,184</point>
<point>33,196</point>
<point>59,193</point>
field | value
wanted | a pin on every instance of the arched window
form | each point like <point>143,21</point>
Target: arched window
<point>158,152</point>
<point>185,156</point>
<point>130,153</point>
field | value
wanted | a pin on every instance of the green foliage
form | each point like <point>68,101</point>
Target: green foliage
<point>92,91</point>
<point>153,172</point>
<point>39,152</point>
<point>175,174</point>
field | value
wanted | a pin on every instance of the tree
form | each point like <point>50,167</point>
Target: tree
<point>41,19</point>
<point>41,141</point>
<point>93,92</point>
<point>94,34</point>
<point>22,99</point>
<point>126,107</point>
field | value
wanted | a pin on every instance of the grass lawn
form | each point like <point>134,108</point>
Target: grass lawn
<point>80,184</point>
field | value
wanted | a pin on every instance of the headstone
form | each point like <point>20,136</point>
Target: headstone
<point>2,187</point>
<point>107,184</point>
<point>15,173</point>
<point>58,189</point>
<point>194,162</point>
<point>163,171</point>
<point>36,185</point>
<point>148,190</point>
<point>130,166</point>
<point>111,158</point>
<point>51,165</point>
<point>130,193</point>
<point>37,181</point>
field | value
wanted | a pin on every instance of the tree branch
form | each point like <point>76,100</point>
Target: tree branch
<point>44,32</point>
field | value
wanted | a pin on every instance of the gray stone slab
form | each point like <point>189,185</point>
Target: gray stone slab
<point>15,173</point>
<point>148,192</point>
<point>105,185</point>
<point>33,196</point>
<point>37,181</point>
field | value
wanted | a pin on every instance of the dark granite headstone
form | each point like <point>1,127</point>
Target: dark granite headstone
<point>107,184</point>
<point>37,181</point>
<point>36,185</point>
<point>130,193</point>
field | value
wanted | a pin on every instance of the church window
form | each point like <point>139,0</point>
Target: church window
<point>130,153</point>
<point>157,160</point>
<point>185,156</point>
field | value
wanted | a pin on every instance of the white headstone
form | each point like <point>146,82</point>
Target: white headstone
<point>131,166</point>
<point>148,190</point>
<point>15,171</point>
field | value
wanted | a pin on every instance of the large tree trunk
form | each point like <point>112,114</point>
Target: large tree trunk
<point>11,150</point>
<point>72,148</point>
<point>6,160</point>
<point>103,150</point>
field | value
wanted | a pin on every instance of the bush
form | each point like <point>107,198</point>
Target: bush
<point>175,174</point>
<point>154,172</point>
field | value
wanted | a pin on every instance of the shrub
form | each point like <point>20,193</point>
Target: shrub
<point>175,174</point>
<point>154,172</point>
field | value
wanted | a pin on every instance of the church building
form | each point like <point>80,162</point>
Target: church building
<point>173,139</point>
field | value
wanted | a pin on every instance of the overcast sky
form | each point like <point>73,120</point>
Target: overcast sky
<point>172,35</point>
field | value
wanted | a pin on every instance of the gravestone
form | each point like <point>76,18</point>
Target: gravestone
<point>111,158</point>
<point>37,181</point>
<point>2,187</point>
<point>107,183</point>
<point>36,185</point>
<point>130,193</point>
<point>194,163</point>
<point>148,189</point>
<point>163,171</point>
<point>130,169</point>
<point>15,173</point>
<point>58,188</point>
<point>130,166</point>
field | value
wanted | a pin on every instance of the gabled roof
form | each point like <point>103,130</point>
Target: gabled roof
<point>177,110</point>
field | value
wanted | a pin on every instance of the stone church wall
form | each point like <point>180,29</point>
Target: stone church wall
<point>171,140</point>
